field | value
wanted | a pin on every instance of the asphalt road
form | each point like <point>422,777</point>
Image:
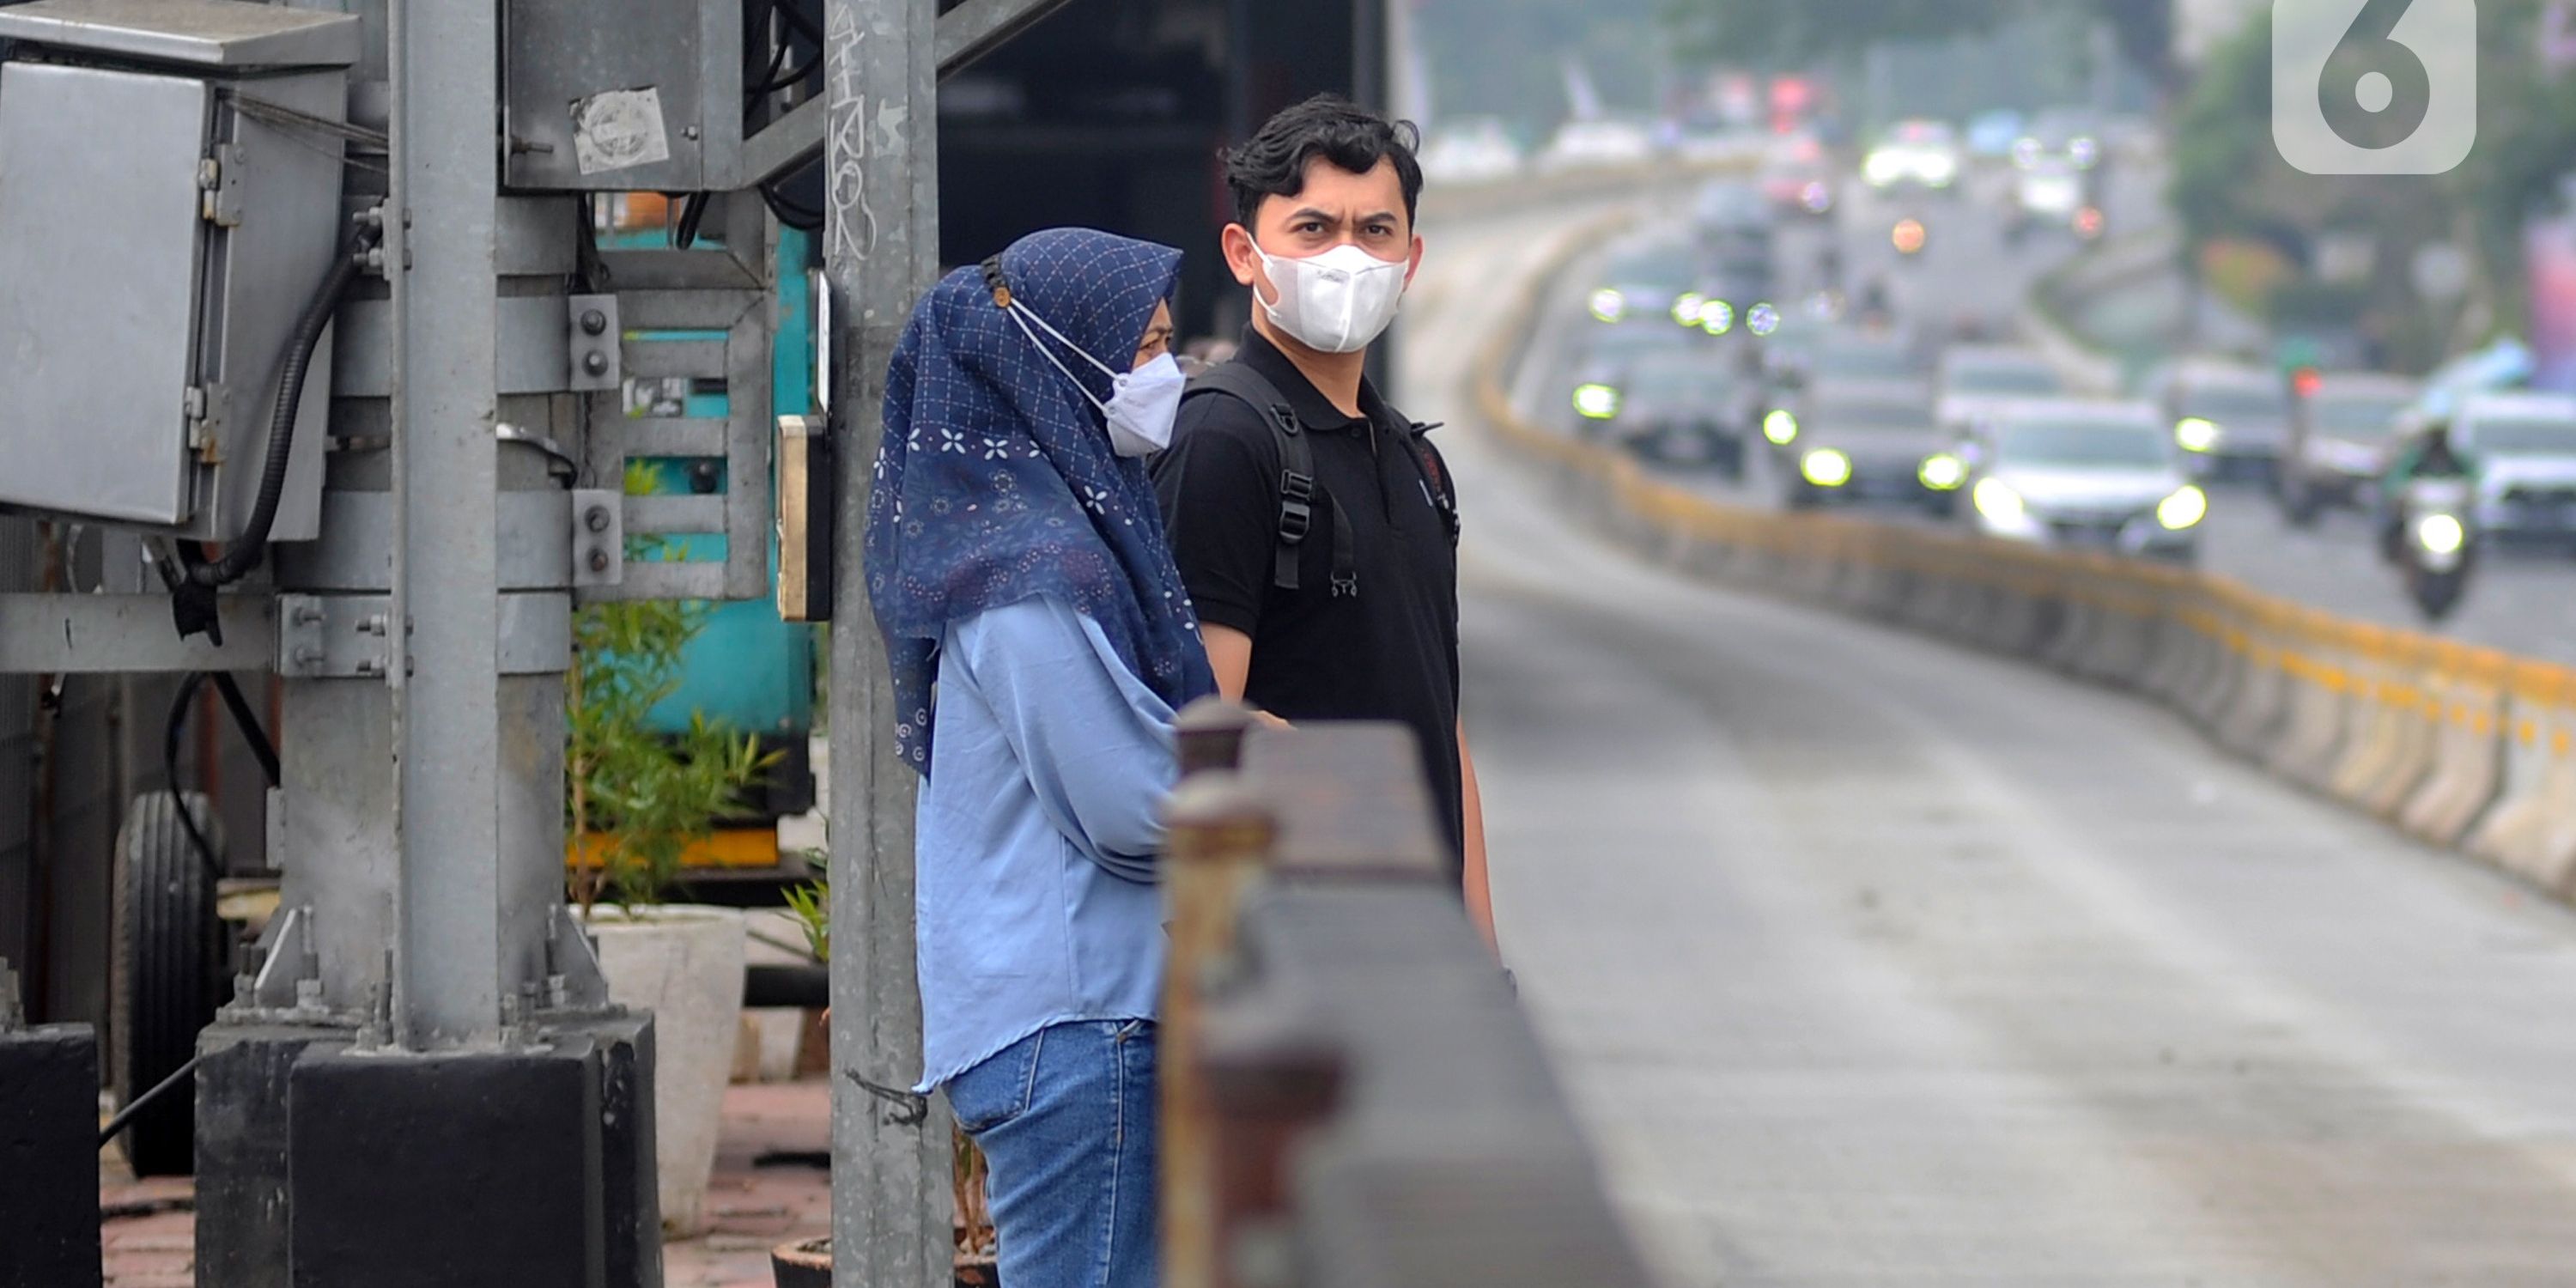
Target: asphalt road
<point>1870,961</point>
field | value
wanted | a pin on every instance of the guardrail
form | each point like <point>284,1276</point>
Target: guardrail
<point>2465,748</point>
<point>1351,1097</point>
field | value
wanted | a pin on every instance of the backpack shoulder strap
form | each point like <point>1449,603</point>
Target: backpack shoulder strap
<point>1299,493</point>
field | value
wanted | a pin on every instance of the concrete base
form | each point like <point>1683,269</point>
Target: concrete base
<point>49,1157</point>
<point>318,1166</point>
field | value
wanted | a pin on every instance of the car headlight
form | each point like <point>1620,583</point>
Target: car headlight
<point>2183,509</point>
<point>2085,151</point>
<point>1686,307</point>
<point>1780,426</point>
<point>1938,170</point>
<point>2441,534</point>
<point>2197,434</point>
<point>1762,319</point>
<point>1717,317</point>
<point>1609,305</point>
<point>1998,502</point>
<point>1826,467</point>
<point>1882,168</point>
<point>1596,402</point>
<point>1943,472</point>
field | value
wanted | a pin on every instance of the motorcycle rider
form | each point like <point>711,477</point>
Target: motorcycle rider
<point>2427,455</point>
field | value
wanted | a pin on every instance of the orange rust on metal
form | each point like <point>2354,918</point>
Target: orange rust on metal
<point>1219,832</point>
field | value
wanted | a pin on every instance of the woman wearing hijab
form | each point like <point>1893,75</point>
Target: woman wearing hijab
<point>1017,565</point>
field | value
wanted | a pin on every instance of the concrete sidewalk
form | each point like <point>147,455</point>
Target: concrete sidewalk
<point>762,1195</point>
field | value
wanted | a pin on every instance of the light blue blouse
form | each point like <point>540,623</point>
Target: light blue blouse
<point>1037,832</point>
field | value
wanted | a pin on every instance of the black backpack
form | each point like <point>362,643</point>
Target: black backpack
<point>1299,494</point>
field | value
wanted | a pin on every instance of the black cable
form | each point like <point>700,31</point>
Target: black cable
<point>777,82</point>
<point>135,1106</point>
<point>799,21</point>
<point>171,736</point>
<point>693,211</point>
<point>244,719</point>
<point>246,551</point>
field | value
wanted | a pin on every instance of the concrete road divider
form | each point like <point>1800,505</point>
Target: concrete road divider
<point>2462,747</point>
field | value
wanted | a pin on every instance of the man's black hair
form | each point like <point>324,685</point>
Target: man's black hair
<point>1272,163</point>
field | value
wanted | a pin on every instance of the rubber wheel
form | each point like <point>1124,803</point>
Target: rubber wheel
<point>168,970</point>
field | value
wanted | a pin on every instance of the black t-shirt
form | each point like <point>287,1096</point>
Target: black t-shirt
<point>1389,652</point>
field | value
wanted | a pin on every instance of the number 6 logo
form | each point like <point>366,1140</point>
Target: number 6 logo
<point>2374,86</point>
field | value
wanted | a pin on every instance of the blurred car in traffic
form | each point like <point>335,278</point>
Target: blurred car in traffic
<point>2066,134</point>
<point>1797,177</point>
<point>1915,153</point>
<point>1597,144</point>
<point>1471,150</point>
<point>1684,408</point>
<point>1641,282</point>
<point>2231,419</point>
<point>2341,424</point>
<point>1605,357</point>
<point>1974,379</point>
<point>2083,474</point>
<point>1865,440</point>
<point>2523,450</point>
<point>2052,193</point>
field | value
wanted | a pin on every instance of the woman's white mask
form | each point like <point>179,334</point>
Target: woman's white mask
<point>1340,301</point>
<point>1143,404</point>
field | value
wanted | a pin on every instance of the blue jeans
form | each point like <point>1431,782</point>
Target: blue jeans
<point>1065,1117</point>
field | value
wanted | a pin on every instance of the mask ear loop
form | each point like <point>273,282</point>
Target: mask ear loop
<point>1020,314</point>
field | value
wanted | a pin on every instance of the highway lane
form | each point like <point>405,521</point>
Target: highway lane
<point>1871,961</point>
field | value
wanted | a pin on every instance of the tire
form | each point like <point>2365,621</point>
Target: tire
<point>168,972</point>
<point>2299,503</point>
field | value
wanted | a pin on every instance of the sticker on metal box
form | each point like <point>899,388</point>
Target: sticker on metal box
<point>618,129</point>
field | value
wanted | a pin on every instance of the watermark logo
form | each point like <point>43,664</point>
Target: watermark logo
<point>2374,86</point>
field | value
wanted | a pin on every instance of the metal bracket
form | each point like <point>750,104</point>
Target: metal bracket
<point>598,537</point>
<point>592,344</point>
<point>285,968</point>
<point>332,636</point>
<point>571,960</point>
<point>220,176</point>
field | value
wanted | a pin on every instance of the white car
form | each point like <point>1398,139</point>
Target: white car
<point>1976,379</point>
<point>2524,449</point>
<point>1478,150</point>
<point>1600,143</point>
<point>2083,475</point>
<point>1915,152</point>
<point>2341,424</point>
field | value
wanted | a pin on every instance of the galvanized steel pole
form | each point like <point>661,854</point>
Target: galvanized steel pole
<point>890,1148</point>
<point>445,671</point>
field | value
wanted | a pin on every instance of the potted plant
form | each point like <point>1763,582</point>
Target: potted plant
<point>807,1263</point>
<point>636,800</point>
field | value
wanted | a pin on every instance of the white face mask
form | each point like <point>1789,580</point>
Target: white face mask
<point>1143,403</point>
<point>1336,302</point>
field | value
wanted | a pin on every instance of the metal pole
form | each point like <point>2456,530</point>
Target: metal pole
<point>890,1148</point>
<point>445,673</point>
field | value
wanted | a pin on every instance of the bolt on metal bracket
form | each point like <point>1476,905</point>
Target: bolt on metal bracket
<point>598,537</point>
<point>593,337</point>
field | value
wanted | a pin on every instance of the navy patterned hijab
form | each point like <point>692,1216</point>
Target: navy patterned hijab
<point>996,482</point>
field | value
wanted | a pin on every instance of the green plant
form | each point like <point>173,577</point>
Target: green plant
<point>812,904</point>
<point>637,798</point>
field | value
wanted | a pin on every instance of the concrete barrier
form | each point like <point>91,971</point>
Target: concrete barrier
<point>2468,757</point>
<point>2510,833</point>
<point>2313,735</point>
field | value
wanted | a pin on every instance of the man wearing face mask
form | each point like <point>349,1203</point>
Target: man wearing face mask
<point>1313,523</point>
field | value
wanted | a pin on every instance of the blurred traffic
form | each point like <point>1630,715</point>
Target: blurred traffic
<point>1861,319</point>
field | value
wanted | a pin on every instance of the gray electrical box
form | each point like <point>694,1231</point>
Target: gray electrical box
<point>645,94</point>
<point>156,266</point>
